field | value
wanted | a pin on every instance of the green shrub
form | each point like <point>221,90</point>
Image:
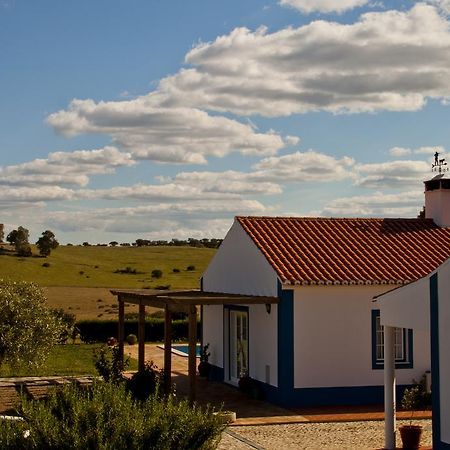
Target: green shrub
<point>108,363</point>
<point>101,330</point>
<point>67,321</point>
<point>127,270</point>
<point>106,417</point>
<point>190,268</point>
<point>46,264</point>
<point>28,329</point>
<point>157,273</point>
<point>132,339</point>
<point>175,270</point>
<point>146,382</point>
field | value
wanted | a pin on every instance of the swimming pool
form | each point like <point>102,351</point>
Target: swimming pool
<point>182,349</point>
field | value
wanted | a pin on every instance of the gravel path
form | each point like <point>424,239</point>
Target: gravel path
<point>315,436</point>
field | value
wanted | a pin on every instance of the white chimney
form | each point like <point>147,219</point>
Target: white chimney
<point>437,200</point>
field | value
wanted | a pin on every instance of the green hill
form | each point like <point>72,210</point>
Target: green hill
<point>96,266</point>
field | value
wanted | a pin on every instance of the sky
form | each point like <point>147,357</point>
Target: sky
<point>161,119</point>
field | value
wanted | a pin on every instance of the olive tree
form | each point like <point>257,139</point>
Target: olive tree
<point>19,238</point>
<point>46,243</point>
<point>28,329</point>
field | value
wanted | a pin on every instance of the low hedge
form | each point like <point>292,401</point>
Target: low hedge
<point>101,330</point>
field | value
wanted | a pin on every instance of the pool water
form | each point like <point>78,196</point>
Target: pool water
<point>182,348</point>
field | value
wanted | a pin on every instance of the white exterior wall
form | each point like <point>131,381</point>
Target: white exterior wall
<point>444,349</point>
<point>407,307</point>
<point>437,206</point>
<point>213,333</point>
<point>333,338</point>
<point>239,267</point>
<point>263,346</point>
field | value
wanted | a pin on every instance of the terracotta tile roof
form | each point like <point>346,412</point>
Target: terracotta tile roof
<point>305,250</point>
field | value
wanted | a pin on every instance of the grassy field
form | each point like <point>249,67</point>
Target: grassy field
<point>78,278</point>
<point>95,266</point>
<point>69,359</point>
<point>87,303</point>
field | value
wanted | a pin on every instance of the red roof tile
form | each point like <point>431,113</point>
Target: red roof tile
<point>305,250</point>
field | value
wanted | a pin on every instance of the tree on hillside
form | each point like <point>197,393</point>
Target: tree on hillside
<point>28,330</point>
<point>113,243</point>
<point>46,243</point>
<point>2,232</point>
<point>19,238</point>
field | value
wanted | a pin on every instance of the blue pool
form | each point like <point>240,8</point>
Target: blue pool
<point>182,349</point>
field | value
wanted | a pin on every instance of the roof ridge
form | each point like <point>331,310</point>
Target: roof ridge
<point>374,219</point>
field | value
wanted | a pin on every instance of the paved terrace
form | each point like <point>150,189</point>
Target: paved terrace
<point>259,424</point>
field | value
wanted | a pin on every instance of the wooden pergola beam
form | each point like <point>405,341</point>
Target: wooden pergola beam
<point>121,330</point>
<point>141,338</point>
<point>167,350</point>
<point>192,363</point>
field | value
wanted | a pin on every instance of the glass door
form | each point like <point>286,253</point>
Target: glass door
<point>238,355</point>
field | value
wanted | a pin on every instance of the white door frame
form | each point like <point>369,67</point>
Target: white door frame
<point>235,316</point>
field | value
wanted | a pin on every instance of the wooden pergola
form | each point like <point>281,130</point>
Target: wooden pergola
<point>175,301</point>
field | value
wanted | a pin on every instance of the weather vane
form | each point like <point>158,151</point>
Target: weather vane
<point>440,165</point>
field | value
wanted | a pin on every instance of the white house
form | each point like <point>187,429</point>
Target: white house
<point>424,306</point>
<point>323,343</point>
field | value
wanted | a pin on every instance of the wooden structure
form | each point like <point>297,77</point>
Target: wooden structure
<point>176,301</point>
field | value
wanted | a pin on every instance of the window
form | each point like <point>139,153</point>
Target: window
<point>403,343</point>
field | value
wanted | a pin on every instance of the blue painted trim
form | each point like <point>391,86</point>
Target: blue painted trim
<point>343,395</point>
<point>407,346</point>
<point>285,343</point>
<point>435,374</point>
<point>217,373</point>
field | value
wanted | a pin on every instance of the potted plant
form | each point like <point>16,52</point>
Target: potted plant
<point>204,368</point>
<point>411,434</point>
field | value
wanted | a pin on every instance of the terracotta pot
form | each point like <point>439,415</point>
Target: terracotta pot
<point>410,435</point>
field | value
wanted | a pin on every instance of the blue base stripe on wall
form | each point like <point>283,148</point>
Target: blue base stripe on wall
<point>285,343</point>
<point>435,375</point>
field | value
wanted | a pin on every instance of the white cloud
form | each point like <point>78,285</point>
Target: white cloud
<point>426,150</point>
<point>324,6</point>
<point>303,166</point>
<point>443,5</point>
<point>165,134</point>
<point>181,220</point>
<point>65,168</point>
<point>393,174</point>
<point>404,204</point>
<point>400,151</point>
<point>389,60</point>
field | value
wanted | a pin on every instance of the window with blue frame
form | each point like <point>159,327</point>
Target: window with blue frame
<point>403,345</point>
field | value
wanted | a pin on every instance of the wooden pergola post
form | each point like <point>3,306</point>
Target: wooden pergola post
<point>167,350</point>
<point>121,330</point>
<point>141,338</point>
<point>192,351</point>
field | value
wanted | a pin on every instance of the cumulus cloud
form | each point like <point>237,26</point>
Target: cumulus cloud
<point>165,134</point>
<point>426,150</point>
<point>393,174</point>
<point>390,60</point>
<point>162,221</point>
<point>324,6</point>
<point>65,168</point>
<point>378,204</point>
<point>303,166</point>
<point>443,5</point>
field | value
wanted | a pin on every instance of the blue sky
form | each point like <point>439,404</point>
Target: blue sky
<point>160,119</point>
